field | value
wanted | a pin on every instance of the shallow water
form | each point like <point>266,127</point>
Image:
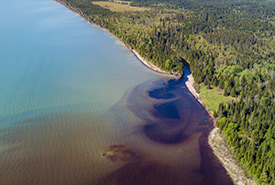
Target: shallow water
<point>70,93</point>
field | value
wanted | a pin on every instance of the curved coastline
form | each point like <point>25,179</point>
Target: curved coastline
<point>146,63</point>
<point>214,136</point>
<point>219,146</point>
<point>150,65</point>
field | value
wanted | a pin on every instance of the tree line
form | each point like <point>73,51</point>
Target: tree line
<point>229,44</point>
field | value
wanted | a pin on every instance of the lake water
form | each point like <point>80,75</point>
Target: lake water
<point>77,107</point>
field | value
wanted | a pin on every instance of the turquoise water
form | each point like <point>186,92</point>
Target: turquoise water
<point>51,58</point>
<point>77,107</point>
<point>59,76</point>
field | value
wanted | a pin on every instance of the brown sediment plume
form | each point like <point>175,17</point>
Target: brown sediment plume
<point>171,118</point>
<point>218,174</point>
<point>120,153</point>
<point>137,170</point>
<point>154,130</point>
<point>215,141</point>
<point>142,173</point>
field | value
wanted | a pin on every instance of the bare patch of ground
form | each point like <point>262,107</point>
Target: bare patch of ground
<point>117,6</point>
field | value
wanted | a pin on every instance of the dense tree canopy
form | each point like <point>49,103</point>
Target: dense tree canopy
<point>229,44</point>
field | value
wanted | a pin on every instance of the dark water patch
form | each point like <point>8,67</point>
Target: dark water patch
<point>130,144</point>
<point>165,91</point>
<point>165,121</point>
<point>167,110</point>
<point>160,94</point>
<point>65,145</point>
<point>214,172</point>
<point>169,116</point>
<point>135,101</point>
<point>161,135</point>
<point>142,173</point>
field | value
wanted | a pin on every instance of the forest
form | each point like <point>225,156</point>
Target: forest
<point>229,44</point>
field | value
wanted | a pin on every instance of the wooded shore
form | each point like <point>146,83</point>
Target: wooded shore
<point>215,138</point>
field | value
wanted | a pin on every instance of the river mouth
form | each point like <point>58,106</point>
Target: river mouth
<point>170,129</point>
<point>145,138</point>
<point>64,117</point>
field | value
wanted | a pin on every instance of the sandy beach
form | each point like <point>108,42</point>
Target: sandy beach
<point>219,146</point>
<point>189,84</point>
<point>150,65</point>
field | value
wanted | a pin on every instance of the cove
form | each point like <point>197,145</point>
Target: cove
<point>78,108</point>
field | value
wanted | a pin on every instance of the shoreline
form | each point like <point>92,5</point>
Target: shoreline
<point>146,63</point>
<point>150,65</point>
<point>219,147</point>
<point>189,84</point>
<point>227,159</point>
<point>224,155</point>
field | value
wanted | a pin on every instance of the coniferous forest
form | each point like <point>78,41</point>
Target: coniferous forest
<point>229,44</point>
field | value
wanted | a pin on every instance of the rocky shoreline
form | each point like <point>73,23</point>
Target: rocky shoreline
<point>219,146</point>
<point>224,154</point>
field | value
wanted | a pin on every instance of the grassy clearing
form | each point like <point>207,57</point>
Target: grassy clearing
<point>117,7</point>
<point>211,98</point>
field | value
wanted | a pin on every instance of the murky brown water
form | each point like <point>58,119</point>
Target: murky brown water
<point>156,134</point>
<point>61,120</point>
<point>171,135</point>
